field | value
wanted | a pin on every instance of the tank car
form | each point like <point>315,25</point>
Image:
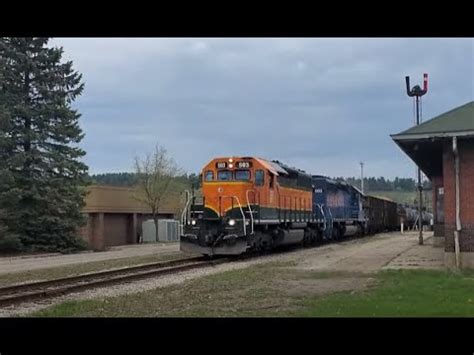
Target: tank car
<point>402,214</point>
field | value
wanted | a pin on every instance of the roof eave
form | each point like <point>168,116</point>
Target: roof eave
<point>405,137</point>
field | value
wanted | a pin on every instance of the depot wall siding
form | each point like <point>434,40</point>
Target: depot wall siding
<point>466,181</point>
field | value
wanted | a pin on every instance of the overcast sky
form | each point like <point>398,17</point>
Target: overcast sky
<point>321,105</point>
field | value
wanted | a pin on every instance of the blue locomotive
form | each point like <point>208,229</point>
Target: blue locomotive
<point>339,206</point>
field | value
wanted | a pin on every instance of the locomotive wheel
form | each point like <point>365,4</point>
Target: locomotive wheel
<point>304,242</point>
<point>319,237</point>
<point>342,231</point>
<point>269,245</point>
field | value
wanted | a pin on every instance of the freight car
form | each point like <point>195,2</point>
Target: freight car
<point>411,220</point>
<point>382,214</point>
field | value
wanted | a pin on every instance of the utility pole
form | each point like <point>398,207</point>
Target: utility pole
<point>362,176</point>
<point>417,92</point>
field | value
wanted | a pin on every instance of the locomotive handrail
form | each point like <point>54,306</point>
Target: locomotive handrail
<point>241,210</point>
<point>324,216</point>
<point>332,219</point>
<point>184,214</point>
<point>250,209</point>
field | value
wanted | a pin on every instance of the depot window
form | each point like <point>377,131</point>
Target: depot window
<point>209,175</point>
<point>242,175</point>
<point>224,175</point>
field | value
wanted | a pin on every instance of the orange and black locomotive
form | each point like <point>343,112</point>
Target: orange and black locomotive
<point>248,203</point>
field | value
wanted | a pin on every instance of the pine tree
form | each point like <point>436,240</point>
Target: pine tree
<point>42,180</point>
<point>8,242</point>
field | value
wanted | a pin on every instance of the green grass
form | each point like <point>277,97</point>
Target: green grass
<point>276,289</point>
<point>398,196</point>
<point>245,292</point>
<point>406,293</point>
<point>403,196</point>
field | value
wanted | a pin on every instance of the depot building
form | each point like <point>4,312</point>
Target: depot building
<point>114,216</point>
<point>443,148</point>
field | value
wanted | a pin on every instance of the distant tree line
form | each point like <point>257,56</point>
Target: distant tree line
<point>370,183</point>
<point>130,179</point>
<point>114,179</point>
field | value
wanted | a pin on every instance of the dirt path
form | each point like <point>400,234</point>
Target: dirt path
<point>15,264</point>
<point>419,256</point>
<point>367,255</point>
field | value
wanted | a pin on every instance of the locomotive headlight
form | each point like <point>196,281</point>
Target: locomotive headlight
<point>231,222</point>
<point>231,160</point>
<point>193,222</point>
<point>231,166</point>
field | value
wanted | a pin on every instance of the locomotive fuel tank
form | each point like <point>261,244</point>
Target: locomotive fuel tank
<point>352,230</point>
<point>287,237</point>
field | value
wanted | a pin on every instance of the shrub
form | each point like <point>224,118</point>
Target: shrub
<point>9,242</point>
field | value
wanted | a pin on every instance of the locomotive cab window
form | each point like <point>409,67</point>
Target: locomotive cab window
<point>209,176</point>
<point>242,175</point>
<point>259,178</point>
<point>272,180</point>
<point>224,175</point>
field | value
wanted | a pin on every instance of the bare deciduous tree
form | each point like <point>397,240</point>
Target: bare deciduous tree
<point>155,180</point>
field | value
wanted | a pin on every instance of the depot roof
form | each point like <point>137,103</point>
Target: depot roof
<point>456,122</point>
<point>424,143</point>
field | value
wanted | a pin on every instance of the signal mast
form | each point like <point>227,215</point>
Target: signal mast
<point>417,92</point>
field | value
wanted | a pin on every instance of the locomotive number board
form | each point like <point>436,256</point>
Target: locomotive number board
<point>238,165</point>
<point>243,164</point>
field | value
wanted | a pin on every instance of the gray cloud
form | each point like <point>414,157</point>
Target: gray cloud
<point>320,104</point>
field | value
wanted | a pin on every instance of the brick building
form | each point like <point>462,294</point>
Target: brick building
<point>114,217</point>
<point>443,148</point>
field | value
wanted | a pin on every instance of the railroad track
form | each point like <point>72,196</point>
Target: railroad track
<point>15,294</point>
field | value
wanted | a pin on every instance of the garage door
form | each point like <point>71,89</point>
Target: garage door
<point>116,229</point>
